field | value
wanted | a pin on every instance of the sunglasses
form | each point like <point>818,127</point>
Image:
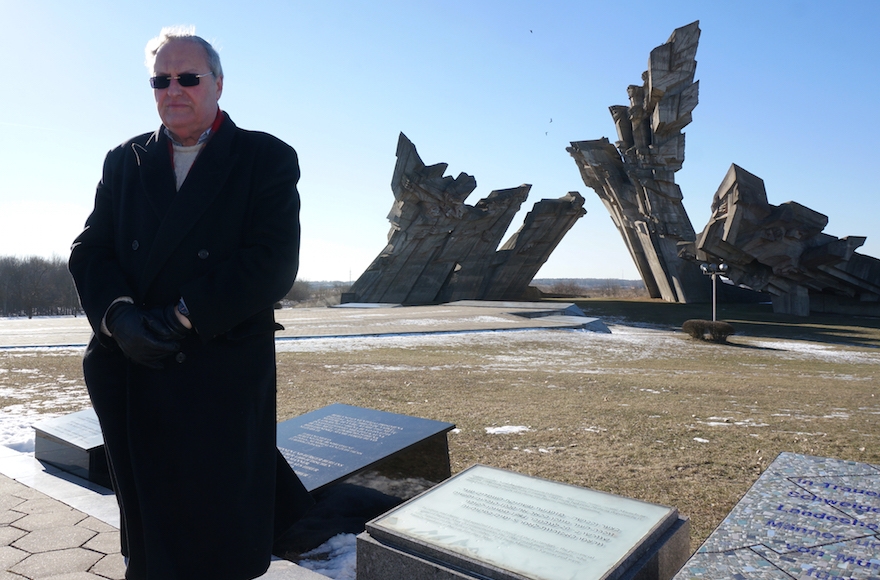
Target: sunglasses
<point>185,80</point>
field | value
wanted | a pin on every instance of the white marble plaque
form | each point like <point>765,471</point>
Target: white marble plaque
<point>534,528</point>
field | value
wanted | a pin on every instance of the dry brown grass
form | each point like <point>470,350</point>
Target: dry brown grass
<point>626,413</point>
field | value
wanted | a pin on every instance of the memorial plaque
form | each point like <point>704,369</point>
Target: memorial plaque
<point>73,443</point>
<point>805,518</point>
<point>336,442</point>
<point>357,463</point>
<point>494,523</point>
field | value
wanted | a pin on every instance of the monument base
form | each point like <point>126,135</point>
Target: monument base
<point>380,561</point>
<point>345,506</point>
<point>74,443</point>
<point>492,524</point>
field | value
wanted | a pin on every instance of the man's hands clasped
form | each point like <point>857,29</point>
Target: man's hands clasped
<point>147,337</point>
<point>165,324</point>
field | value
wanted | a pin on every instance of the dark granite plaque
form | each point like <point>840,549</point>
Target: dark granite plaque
<point>73,443</point>
<point>357,463</point>
<point>339,441</point>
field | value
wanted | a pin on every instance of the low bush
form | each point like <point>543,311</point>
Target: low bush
<point>708,330</point>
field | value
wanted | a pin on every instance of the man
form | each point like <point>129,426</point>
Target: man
<point>193,237</point>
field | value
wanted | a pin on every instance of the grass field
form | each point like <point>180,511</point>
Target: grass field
<point>645,412</point>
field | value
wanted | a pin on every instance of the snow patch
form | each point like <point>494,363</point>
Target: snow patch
<point>336,558</point>
<point>506,429</point>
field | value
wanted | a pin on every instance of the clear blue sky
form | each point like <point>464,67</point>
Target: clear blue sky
<point>787,91</point>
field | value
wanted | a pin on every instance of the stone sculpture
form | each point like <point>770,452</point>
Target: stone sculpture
<point>636,179</point>
<point>521,256</point>
<point>441,249</point>
<point>781,250</point>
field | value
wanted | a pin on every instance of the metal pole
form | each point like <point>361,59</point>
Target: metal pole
<point>713,297</point>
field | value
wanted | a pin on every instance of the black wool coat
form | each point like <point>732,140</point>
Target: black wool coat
<point>201,486</point>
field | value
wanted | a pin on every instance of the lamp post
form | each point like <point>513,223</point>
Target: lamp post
<point>713,270</point>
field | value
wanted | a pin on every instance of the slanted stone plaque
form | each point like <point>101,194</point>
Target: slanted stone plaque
<point>492,523</point>
<point>357,463</point>
<point>805,518</point>
<point>73,443</point>
<point>335,442</point>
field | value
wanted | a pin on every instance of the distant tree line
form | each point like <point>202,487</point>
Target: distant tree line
<point>36,286</point>
<point>314,294</point>
<point>591,288</point>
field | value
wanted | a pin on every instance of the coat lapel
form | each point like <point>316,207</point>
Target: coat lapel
<point>200,189</point>
<point>156,172</point>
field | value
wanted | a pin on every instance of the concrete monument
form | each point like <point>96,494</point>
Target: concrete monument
<point>782,251</point>
<point>778,250</point>
<point>636,178</point>
<point>441,249</point>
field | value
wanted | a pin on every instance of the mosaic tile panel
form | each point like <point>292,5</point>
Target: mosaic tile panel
<point>805,518</point>
<point>738,564</point>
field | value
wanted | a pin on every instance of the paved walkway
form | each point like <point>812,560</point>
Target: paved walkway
<point>345,321</point>
<point>56,526</point>
<point>41,537</point>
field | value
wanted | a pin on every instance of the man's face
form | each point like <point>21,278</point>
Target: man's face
<point>186,111</point>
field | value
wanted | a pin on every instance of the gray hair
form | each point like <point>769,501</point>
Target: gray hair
<point>187,34</point>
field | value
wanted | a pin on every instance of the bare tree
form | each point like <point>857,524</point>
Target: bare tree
<point>35,286</point>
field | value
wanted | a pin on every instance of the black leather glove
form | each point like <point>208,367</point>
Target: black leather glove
<point>128,325</point>
<point>163,323</point>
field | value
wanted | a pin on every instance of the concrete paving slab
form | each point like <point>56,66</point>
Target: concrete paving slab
<point>54,519</point>
<point>9,517</point>
<point>110,566</point>
<point>464,316</point>
<point>57,562</point>
<point>77,576</point>
<point>9,534</point>
<point>41,505</point>
<point>344,320</point>
<point>96,525</point>
<point>10,556</point>
<point>106,542</point>
<point>53,538</point>
<point>8,501</point>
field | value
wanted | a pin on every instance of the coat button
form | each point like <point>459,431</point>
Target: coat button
<point>203,254</point>
<point>180,357</point>
<point>135,245</point>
